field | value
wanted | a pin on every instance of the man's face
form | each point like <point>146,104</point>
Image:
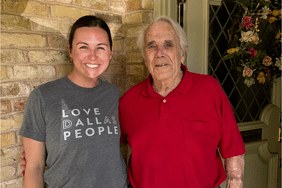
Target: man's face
<point>162,51</point>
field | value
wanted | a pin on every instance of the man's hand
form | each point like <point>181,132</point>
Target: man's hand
<point>234,168</point>
<point>23,162</point>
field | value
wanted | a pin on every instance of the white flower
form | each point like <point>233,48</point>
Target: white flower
<point>249,82</point>
<point>265,12</point>
<point>278,63</point>
<point>246,36</point>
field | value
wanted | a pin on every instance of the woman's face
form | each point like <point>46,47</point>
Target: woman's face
<point>91,54</point>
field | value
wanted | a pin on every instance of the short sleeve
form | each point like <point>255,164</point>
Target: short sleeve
<point>231,143</point>
<point>33,125</point>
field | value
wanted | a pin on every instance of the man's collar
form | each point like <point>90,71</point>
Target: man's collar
<point>184,86</point>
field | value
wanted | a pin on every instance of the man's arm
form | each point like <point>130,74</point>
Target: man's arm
<point>35,163</point>
<point>234,168</point>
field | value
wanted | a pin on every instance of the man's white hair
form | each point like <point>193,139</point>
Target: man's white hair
<point>183,40</point>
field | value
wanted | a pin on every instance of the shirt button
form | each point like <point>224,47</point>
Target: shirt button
<point>164,101</point>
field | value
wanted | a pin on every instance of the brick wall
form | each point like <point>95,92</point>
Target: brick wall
<point>34,51</point>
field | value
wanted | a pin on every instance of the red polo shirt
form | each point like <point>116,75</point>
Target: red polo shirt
<point>175,139</point>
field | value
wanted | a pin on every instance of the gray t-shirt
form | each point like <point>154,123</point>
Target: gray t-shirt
<point>81,131</point>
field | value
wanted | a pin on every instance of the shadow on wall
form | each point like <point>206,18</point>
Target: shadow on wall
<point>51,50</point>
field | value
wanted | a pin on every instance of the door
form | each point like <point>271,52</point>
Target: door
<point>260,132</point>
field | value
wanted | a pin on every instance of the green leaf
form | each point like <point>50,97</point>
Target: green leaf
<point>226,57</point>
<point>239,69</point>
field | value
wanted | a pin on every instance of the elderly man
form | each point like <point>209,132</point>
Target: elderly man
<point>178,123</point>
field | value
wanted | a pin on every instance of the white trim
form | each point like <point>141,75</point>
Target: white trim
<point>276,92</point>
<point>196,26</point>
<point>272,163</point>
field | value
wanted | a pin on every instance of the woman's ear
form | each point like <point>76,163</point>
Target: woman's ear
<point>112,52</point>
<point>69,50</point>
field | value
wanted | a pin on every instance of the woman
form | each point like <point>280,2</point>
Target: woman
<point>72,123</point>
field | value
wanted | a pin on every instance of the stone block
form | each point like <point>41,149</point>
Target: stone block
<point>147,4</point>
<point>132,5</point>
<point>19,104</point>
<point>48,56</point>
<point>13,56</point>
<point>15,89</point>
<point>133,31</point>
<point>3,72</point>
<point>130,44</point>
<point>10,155</point>
<point>134,57</point>
<point>24,72</point>
<point>110,18</point>
<point>19,170</point>
<point>117,7</point>
<point>19,139</point>
<point>135,18</point>
<point>22,40</point>
<point>115,69</point>
<point>117,45</point>
<point>18,120</point>
<point>137,70</point>
<point>48,71</point>
<point>62,1</point>
<point>59,11</point>
<point>8,139</point>
<point>83,3</point>
<point>99,4</point>
<point>48,25</point>
<point>5,106</point>
<point>63,70</point>
<point>14,183</point>
<point>6,123</point>
<point>37,8</point>
<point>10,72</point>
<point>117,31</point>
<point>8,172</point>
<point>17,6</point>
<point>14,22</point>
<point>27,7</point>
<point>33,72</point>
<point>57,41</point>
<point>118,58</point>
<point>147,17</point>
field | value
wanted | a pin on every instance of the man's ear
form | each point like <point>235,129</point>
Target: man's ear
<point>183,55</point>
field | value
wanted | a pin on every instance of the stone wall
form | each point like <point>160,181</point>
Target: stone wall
<point>34,51</point>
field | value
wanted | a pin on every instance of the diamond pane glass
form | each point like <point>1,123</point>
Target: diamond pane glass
<point>247,102</point>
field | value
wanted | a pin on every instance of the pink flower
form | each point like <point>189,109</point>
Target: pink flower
<point>267,61</point>
<point>253,52</point>
<point>247,22</point>
<point>247,72</point>
<point>255,38</point>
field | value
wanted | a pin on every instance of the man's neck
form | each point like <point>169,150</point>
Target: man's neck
<point>165,87</point>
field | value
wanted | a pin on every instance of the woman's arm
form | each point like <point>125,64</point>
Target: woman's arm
<point>35,163</point>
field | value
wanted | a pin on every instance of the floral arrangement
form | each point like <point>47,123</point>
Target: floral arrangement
<point>255,41</point>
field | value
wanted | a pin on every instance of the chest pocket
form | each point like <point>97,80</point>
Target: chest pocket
<point>200,137</point>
